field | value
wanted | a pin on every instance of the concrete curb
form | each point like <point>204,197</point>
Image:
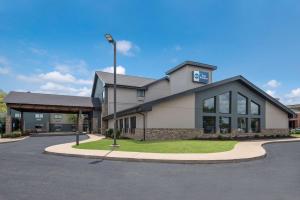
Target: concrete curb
<point>10,140</point>
<point>242,152</point>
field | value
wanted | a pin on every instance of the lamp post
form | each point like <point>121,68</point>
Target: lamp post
<point>110,39</point>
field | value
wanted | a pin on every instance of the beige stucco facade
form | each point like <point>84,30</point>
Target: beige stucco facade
<point>158,90</point>
<point>181,80</point>
<point>275,117</point>
<point>126,98</point>
<point>175,113</point>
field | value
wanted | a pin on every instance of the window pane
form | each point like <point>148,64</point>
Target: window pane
<point>242,125</point>
<point>224,103</point>
<point>121,123</point>
<point>255,125</point>
<point>242,105</point>
<point>140,93</point>
<point>225,124</point>
<point>132,122</point>
<point>209,105</point>
<point>255,108</point>
<point>209,124</point>
<point>126,125</point>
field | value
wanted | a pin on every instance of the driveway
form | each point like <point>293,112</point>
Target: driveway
<point>27,173</point>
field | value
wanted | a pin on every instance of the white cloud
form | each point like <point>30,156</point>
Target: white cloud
<point>4,70</point>
<point>127,48</point>
<point>57,77</point>
<point>54,76</point>
<point>4,66</point>
<point>79,66</point>
<point>273,84</point>
<point>55,88</point>
<point>294,93</point>
<point>120,69</point>
<point>178,48</point>
<point>38,51</point>
<point>293,97</point>
<point>271,93</point>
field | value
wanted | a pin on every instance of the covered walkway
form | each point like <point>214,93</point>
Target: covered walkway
<point>49,103</point>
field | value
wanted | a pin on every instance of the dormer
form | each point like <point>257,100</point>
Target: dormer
<point>189,75</point>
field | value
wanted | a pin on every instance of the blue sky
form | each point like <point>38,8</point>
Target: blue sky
<point>55,46</point>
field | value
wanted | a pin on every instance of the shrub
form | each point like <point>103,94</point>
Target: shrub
<point>12,135</point>
<point>109,133</point>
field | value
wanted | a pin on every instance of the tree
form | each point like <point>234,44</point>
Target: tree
<point>2,104</point>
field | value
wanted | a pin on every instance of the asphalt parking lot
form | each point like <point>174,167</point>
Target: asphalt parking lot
<point>27,173</point>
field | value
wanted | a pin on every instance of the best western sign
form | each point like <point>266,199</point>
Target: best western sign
<point>200,77</point>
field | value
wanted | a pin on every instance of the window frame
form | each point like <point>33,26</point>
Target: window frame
<point>229,128</point>
<point>126,124</point>
<point>237,104</point>
<point>215,104</point>
<point>230,103</point>
<point>139,92</point>
<point>258,106</point>
<point>238,127</point>
<point>121,125</point>
<point>214,127</point>
<point>259,125</point>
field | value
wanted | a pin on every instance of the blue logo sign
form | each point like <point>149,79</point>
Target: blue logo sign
<point>200,77</point>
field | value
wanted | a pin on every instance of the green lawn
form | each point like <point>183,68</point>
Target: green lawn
<point>172,146</point>
<point>295,135</point>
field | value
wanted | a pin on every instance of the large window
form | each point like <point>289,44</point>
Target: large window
<point>126,125</point>
<point>132,124</point>
<point>241,104</point>
<point>255,125</point>
<point>242,125</point>
<point>121,124</point>
<point>209,124</point>
<point>225,124</point>
<point>209,105</point>
<point>255,108</point>
<point>224,103</point>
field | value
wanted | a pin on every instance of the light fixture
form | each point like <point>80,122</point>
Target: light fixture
<point>109,38</point>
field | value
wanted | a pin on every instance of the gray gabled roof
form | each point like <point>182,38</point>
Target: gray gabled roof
<point>148,105</point>
<point>124,80</point>
<point>51,100</point>
<point>192,63</point>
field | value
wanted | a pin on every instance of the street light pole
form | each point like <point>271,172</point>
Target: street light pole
<point>115,93</point>
<point>112,41</point>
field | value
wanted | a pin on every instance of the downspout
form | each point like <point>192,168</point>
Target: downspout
<point>144,126</point>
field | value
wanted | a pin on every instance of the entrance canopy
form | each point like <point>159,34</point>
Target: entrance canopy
<point>49,103</point>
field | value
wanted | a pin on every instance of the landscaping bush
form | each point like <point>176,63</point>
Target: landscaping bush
<point>295,131</point>
<point>109,133</point>
<point>12,135</point>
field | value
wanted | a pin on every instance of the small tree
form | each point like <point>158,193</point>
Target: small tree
<point>3,107</point>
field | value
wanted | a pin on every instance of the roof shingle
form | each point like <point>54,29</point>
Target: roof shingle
<point>51,99</point>
<point>125,80</point>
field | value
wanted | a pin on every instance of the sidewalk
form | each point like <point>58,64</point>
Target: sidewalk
<point>7,140</point>
<point>243,151</point>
